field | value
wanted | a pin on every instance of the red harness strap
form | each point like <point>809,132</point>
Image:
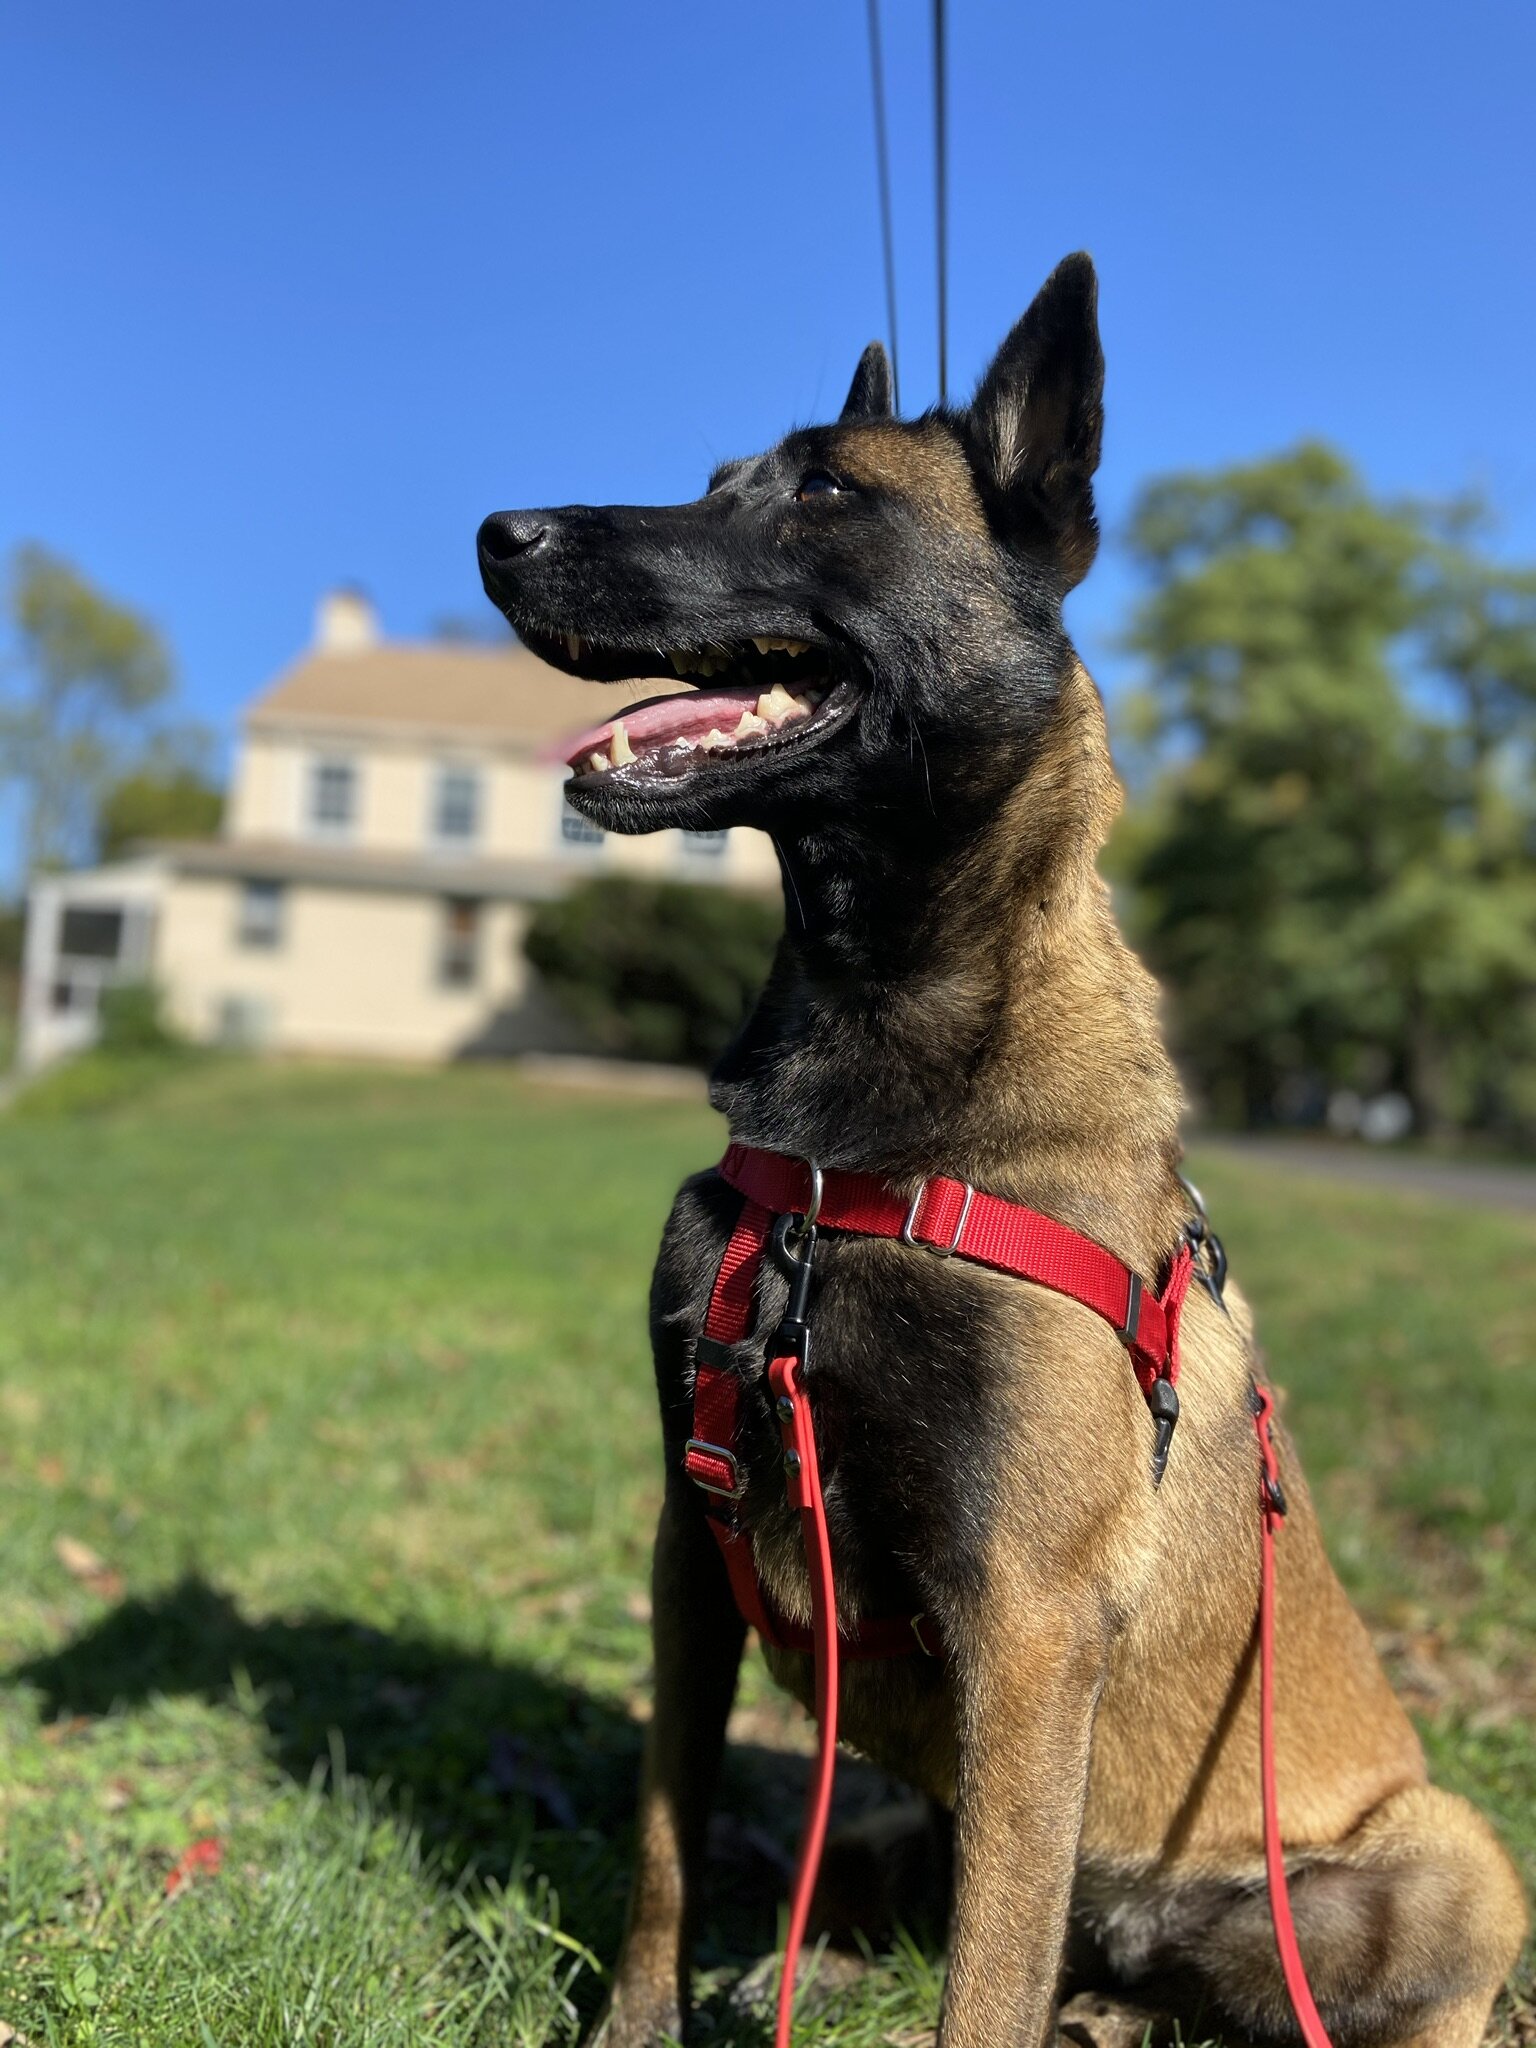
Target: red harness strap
<point>950,1219</point>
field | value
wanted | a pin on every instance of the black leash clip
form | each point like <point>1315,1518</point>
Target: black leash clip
<point>793,1247</point>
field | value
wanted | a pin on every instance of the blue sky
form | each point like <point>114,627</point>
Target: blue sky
<point>293,294</point>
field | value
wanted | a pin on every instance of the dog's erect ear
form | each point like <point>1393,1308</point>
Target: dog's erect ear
<point>1037,420</point>
<point>869,395</point>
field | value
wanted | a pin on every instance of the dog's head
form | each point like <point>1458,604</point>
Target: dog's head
<point>869,610</point>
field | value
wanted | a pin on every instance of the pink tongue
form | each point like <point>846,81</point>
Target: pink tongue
<point>687,717</point>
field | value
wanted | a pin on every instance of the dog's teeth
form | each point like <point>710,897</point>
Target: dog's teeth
<point>796,647</point>
<point>763,646</point>
<point>714,738</point>
<point>598,763</point>
<point>776,705</point>
<point>681,660</point>
<point>618,739</point>
<point>749,723</point>
<point>573,645</point>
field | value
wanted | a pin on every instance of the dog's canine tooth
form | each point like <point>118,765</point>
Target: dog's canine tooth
<point>623,752</point>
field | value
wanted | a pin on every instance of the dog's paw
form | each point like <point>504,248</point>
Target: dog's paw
<point>1091,2020</point>
<point>622,2024</point>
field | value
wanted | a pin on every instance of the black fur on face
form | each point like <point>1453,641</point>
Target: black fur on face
<point>871,610</point>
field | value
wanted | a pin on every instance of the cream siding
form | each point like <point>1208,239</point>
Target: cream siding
<point>355,970</point>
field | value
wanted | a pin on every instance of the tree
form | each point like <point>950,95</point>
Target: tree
<point>655,970</point>
<point>1332,868</point>
<point>156,803</point>
<point>88,669</point>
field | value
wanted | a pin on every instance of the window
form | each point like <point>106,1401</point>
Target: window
<point>333,796</point>
<point>261,914</point>
<point>705,842</point>
<point>90,934</point>
<point>458,956</point>
<point>456,806</point>
<point>576,830</point>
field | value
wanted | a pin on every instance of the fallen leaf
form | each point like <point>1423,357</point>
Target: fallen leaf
<point>61,1731</point>
<point>201,1859</point>
<point>9,2038</point>
<point>82,1563</point>
<point>78,1559</point>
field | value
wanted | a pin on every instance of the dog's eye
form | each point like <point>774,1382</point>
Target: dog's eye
<point>819,483</point>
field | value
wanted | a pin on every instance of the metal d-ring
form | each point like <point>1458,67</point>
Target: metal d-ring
<point>799,1225</point>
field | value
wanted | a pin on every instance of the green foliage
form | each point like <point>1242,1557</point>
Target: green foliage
<point>655,970</point>
<point>1333,869</point>
<point>88,671</point>
<point>151,803</point>
<point>133,1019</point>
<point>136,1051</point>
<point>342,1376</point>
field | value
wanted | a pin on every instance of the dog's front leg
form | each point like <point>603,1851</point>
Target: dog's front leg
<point>1028,1676</point>
<point>697,1636</point>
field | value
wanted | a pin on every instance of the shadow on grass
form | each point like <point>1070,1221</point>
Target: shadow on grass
<point>480,1754</point>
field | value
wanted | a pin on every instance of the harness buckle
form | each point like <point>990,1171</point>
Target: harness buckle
<point>697,1446</point>
<point>940,1251</point>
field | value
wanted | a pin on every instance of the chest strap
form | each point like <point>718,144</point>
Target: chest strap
<point>948,1219</point>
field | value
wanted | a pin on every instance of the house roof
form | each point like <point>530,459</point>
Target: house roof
<point>506,696</point>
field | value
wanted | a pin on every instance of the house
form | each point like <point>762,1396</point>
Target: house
<point>394,811</point>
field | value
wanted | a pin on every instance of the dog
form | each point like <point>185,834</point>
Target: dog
<point>871,613</point>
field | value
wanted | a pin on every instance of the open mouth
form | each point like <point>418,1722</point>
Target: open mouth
<point>767,693</point>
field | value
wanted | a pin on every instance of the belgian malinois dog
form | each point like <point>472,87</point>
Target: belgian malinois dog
<point>873,612</point>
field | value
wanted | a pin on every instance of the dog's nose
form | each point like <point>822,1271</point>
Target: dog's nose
<point>506,536</point>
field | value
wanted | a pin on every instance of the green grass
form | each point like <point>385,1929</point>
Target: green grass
<point>329,1459</point>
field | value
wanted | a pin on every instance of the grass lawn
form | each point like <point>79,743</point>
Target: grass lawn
<point>329,1464</point>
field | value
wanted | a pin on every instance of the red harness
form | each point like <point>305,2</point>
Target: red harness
<point>786,1201</point>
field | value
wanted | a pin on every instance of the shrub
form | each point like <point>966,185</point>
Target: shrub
<point>133,1019</point>
<point>655,970</point>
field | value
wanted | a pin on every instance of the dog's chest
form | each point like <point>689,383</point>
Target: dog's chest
<point>906,1359</point>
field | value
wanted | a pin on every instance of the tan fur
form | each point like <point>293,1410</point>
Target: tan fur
<point>925,467</point>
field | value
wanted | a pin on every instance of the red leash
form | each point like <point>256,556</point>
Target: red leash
<point>1272,1513</point>
<point>804,1476</point>
<point>952,1220</point>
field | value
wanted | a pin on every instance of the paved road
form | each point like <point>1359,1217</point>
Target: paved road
<point>1488,1185</point>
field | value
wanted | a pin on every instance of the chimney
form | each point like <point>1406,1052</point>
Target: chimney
<point>345,621</point>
